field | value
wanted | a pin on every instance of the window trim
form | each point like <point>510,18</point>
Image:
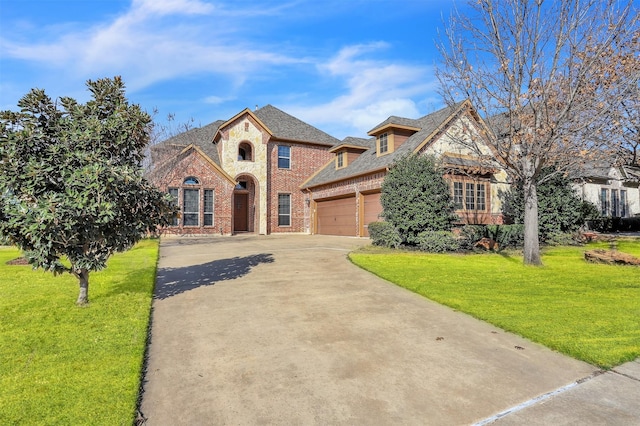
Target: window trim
<point>190,213</point>
<point>175,221</point>
<point>284,215</point>
<point>604,201</point>
<point>248,151</point>
<point>615,203</point>
<point>469,192</point>
<point>384,136</point>
<point>205,212</point>
<point>282,157</point>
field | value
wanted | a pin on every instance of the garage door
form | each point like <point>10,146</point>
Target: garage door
<point>372,209</point>
<point>337,217</point>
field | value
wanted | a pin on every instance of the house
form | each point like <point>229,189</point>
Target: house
<point>613,189</point>
<point>265,171</point>
<point>345,194</point>
<point>243,174</point>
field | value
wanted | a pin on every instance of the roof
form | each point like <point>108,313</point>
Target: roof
<point>287,127</point>
<point>200,137</point>
<point>369,162</point>
<point>354,143</point>
<point>601,169</point>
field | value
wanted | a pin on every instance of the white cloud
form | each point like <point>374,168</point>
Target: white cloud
<point>151,43</point>
<point>376,89</point>
<point>171,7</point>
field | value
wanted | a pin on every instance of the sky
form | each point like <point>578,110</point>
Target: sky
<point>341,65</point>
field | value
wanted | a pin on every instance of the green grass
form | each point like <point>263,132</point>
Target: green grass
<point>588,311</point>
<point>61,364</point>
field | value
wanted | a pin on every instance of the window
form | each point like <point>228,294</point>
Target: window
<point>623,203</point>
<point>191,181</point>
<point>284,209</point>
<point>245,152</point>
<point>604,202</point>
<point>457,195</point>
<point>241,185</point>
<point>480,197</point>
<point>284,157</point>
<point>208,207</point>
<point>384,144</point>
<point>615,203</point>
<point>469,196</point>
<point>191,207</point>
<point>340,160</point>
<point>173,192</point>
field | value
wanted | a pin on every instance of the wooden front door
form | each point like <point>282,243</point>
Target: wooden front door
<point>240,212</point>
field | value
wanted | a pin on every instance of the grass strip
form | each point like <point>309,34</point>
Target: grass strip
<point>588,311</point>
<point>67,365</point>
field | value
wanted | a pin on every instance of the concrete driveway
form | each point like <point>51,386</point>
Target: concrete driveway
<point>283,329</point>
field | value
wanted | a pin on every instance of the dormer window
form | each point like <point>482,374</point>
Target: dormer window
<point>245,152</point>
<point>383,144</point>
<point>340,160</point>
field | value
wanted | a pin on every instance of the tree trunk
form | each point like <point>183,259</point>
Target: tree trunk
<point>83,295</point>
<point>531,240</point>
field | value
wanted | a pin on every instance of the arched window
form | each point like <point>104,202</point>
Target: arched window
<point>245,153</point>
<point>190,180</point>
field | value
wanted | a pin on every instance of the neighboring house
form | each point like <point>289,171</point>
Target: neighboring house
<point>243,174</point>
<point>345,194</point>
<point>613,189</point>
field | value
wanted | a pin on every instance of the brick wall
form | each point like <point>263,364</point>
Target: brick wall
<point>193,164</point>
<point>305,160</point>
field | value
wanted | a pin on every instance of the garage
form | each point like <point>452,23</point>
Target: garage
<point>372,210</point>
<point>336,217</point>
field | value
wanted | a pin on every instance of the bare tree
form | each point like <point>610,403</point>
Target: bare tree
<point>532,69</point>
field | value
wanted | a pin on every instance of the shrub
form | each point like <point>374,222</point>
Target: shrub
<point>562,239</point>
<point>469,235</point>
<point>416,198</point>
<point>384,234</point>
<point>507,236</point>
<point>437,241</point>
<point>560,210</point>
<point>614,224</point>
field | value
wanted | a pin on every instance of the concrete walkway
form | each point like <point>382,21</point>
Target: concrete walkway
<point>284,330</point>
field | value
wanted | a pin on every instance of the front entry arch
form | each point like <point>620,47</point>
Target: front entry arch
<point>245,203</point>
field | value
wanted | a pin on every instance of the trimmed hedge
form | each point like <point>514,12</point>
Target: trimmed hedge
<point>384,234</point>
<point>615,224</point>
<point>437,241</point>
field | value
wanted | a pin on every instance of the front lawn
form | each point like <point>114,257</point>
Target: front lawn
<point>588,311</point>
<point>61,364</point>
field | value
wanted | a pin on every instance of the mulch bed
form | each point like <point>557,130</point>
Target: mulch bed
<point>612,257</point>
<point>18,261</point>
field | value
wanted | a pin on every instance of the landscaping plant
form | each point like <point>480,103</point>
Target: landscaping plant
<point>72,190</point>
<point>416,198</point>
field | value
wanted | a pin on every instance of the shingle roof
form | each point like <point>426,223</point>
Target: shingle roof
<point>285,126</point>
<point>398,121</point>
<point>368,161</point>
<point>201,137</point>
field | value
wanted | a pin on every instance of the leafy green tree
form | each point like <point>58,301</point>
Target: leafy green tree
<point>560,210</point>
<point>416,198</point>
<point>71,182</point>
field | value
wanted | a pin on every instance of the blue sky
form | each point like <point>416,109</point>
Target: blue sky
<point>342,65</point>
